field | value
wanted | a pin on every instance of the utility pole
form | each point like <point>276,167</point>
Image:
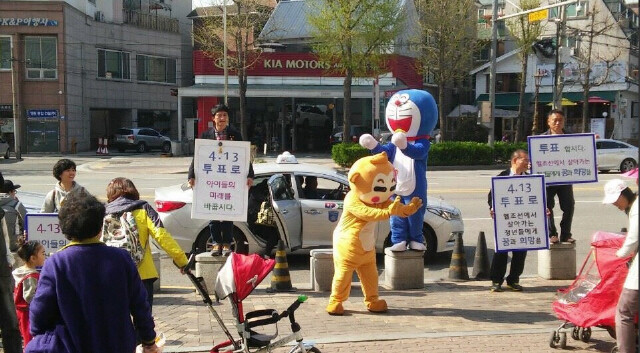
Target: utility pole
<point>492,72</point>
<point>558,81</point>
<point>224,49</point>
<point>17,122</point>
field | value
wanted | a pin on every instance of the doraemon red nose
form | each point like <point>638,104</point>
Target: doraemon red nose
<point>398,103</point>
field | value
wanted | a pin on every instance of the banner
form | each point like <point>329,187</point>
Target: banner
<point>564,159</point>
<point>220,191</point>
<point>520,213</point>
<point>45,229</point>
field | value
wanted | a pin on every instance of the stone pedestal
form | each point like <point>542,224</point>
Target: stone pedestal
<point>207,267</point>
<point>559,262</point>
<point>156,262</point>
<point>321,269</point>
<point>403,269</point>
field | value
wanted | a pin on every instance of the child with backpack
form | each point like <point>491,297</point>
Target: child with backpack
<point>26,277</point>
<point>129,223</point>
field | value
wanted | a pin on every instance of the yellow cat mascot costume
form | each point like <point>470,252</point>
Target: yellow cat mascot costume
<point>372,181</point>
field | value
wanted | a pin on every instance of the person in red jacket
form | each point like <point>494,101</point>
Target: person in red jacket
<point>26,277</point>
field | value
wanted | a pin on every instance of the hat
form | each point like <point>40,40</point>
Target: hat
<point>633,173</point>
<point>8,186</point>
<point>612,190</point>
<point>219,108</point>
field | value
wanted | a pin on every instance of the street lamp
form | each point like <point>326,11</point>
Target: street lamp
<point>537,80</point>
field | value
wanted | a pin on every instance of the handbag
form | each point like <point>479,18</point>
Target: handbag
<point>266,217</point>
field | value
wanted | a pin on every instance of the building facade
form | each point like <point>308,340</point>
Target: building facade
<point>72,72</point>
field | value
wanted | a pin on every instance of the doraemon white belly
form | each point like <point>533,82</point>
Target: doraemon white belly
<point>406,178</point>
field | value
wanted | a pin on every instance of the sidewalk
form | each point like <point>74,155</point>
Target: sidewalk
<point>443,317</point>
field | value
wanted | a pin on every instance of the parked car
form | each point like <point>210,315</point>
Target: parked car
<point>4,148</point>
<point>356,132</point>
<point>303,223</point>
<point>614,154</point>
<point>141,139</point>
<point>309,115</point>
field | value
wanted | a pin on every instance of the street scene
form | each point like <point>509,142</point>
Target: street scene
<point>442,315</point>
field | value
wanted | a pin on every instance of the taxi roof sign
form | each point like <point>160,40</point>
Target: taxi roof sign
<point>286,158</point>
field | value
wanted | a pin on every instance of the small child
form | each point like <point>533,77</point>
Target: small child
<point>26,277</point>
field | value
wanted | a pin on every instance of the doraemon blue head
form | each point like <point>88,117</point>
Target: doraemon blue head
<point>413,111</point>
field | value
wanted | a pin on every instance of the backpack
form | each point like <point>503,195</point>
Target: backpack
<point>119,230</point>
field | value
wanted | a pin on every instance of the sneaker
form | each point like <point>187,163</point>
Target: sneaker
<point>216,250</point>
<point>226,249</point>
<point>514,287</point>
<point>496,287</point>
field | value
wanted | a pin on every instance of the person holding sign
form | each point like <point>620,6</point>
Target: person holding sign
<point>221,231</point>
<point>555,121</point>
<point>65,172</point>
<point>519,166</point>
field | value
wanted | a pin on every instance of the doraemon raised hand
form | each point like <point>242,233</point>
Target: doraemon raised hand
<point>411,115</point>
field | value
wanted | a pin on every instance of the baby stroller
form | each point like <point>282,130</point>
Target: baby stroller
<point>237,278</point>
<point>592,298</point>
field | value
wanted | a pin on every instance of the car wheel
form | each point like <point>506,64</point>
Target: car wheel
<point>241,245</point>
<point>6,155</point>
<point>204,242</point>
<point>166,147</point>
<point>142,147</point>
<point>627,165</point>
<point>431,242</point>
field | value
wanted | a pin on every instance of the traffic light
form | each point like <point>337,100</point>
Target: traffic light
<point>545,48</point>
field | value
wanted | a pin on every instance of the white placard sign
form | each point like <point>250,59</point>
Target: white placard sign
<point>221,192</point>
<point>519,206</point>
<point>564,159</point>
<point>45,229</point>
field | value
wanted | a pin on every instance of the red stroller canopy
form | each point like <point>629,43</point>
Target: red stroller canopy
<point>241,274</point>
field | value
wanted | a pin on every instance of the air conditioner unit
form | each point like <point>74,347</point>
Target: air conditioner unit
<point>99,16</point>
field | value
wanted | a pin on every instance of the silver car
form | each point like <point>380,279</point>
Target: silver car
<point>141,139</point>
<point>618,155</point>
<point>303,223</point>
<point>4,148</point>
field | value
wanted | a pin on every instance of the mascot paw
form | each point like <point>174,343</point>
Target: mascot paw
<point>401,246</point>
<point>378,306</point>
<point>336,308</point>
<point>399,139</point>
<point>367,141</point>
<point>414,245</point>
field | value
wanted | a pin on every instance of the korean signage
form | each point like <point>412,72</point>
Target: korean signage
<point>27,21</point>
<point>45,229</point>
<point>564,159</point>
<point>221,191</point>
<point>519,206</point>
<point>42,113</point>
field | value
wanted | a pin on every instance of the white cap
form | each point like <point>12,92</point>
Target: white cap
<point>612,190</point>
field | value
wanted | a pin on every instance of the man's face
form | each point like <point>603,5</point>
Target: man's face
<point>556,123</point>
<point>521,162</point>
<point>221,119</point>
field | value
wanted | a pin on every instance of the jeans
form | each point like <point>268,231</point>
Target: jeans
<point>11,339</point>
<point>148,285</point>
<point>499,266</point>
<point>567,202</point>
<point>221,232</point>
<point>625,328</point>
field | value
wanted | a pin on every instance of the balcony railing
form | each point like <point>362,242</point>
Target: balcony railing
<point>150,21</point>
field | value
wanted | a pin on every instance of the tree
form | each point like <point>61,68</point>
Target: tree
<point>525,34</point>
<point>448,44</point>
<point>354,36</point>
<point>600,43</point>
<point>245,20</point>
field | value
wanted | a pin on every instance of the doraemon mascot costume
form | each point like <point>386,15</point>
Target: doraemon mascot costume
<point>411,115</point>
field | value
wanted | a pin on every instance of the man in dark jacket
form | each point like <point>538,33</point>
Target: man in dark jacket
<point>221,231</point>
<point>11,339</point>
<point>555,120</point>
<point>519,166</point>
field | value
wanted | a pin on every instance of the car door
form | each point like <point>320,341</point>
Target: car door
<point>287,210</point>
<point>605,154</point>
<point>154,138</point>
<point>321,212</point>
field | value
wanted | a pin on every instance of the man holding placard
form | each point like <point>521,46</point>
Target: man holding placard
<point>519,166</point>
<point>555,121</point>
<point>221,230</point>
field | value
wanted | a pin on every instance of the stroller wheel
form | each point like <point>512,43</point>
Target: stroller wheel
<point>554,339</point>
<point>575,333</point>
<point>585,334</point>
<point>563,340</point>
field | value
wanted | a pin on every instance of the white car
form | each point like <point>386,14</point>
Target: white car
<point>614,154</point>
<point>4,148</point>
<point>303,223</point>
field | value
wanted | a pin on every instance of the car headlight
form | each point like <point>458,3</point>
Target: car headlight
<point>449,215</point>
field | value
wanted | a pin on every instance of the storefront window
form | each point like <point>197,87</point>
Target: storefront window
<point>5,53</point>
<point>113,64</point>
<point>41,57</point>
<point>156,69</point>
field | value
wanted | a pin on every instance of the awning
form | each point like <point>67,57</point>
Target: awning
<point>506,100</point>
<point>596,99</point>
<point>579,96</point>
<point>565,102</point>
<point>463,110</point>
<point>283,91</point>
